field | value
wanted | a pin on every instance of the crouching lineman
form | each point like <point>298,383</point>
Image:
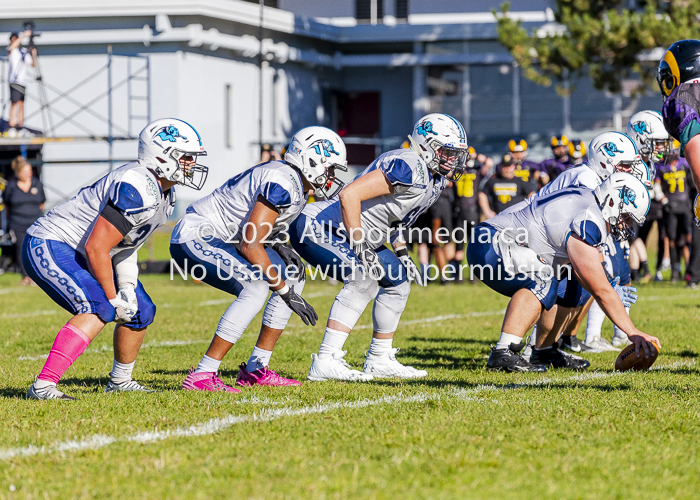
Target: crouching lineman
<point>232,234</point>
<point>83,253</point>
<point>345,238</point>
<point>521,254</point>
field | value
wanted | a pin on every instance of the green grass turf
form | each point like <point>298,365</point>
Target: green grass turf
<point>462,432</point>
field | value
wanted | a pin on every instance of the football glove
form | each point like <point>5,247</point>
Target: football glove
<point>298,305</point>
<point>626,293</point>
<point>412,271</point>
<point>291,259</point>
<point>369,260</point>
<point>125,305</point>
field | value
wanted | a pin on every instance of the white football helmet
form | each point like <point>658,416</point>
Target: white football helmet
<point>622,197</point>
<point>317,152</point>
<point>441,133</point>
<point>611,152</point>
<point>164,147</point>
<point>646,128</point>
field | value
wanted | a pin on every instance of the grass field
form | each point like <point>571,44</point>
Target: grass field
<point>463,432</point>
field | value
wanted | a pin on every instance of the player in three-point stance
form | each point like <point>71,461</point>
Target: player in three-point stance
<point>234,234</point>
<point>521,255</point>
<point>345,238</point>
<point>83,253</point>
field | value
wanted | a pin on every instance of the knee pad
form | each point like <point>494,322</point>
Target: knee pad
<point>239,314</point>
<point>388,307</point>
<point>352,300</point>
<point>147,310</point>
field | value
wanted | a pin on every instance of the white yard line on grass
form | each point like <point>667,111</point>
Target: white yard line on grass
<point>268,414</point>
<point>107,348</point>
<point>435,319</point>
<point>229,300</point>
<point>32,314</point>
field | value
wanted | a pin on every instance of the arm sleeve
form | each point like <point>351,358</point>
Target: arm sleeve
<point>126,267</point>
<point>114,216</point>
<point>588,230</point>
<point>277,195</point>
<point>398,172</point>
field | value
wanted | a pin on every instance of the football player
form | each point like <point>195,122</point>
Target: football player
<point>561,160</point>
<point>611,152</point>
<point>237,235</point>
<point>655,145</point>
<point>345,237</point>
<point>521,255</point>
<point>83,253</point>
<point>525,169</point>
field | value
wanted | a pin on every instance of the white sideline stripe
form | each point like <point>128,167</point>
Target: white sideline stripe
<point>266,415</point>
<point>440,318</point>
<point>32,314</point>
<point>106,348</point>
<point>229,300</point>
<point>5,291</point>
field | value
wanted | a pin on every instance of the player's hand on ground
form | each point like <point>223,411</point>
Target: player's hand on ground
<point>291,259</point>
<point>643,344</point>
<point>412,270</point>
<point>626,293</point>
<point>370,261</point>
<point>298,305</point>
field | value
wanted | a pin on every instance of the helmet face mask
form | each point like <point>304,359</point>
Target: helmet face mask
<point>170,147</point>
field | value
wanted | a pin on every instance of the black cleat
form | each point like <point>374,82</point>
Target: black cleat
<point>508,360</point>
<point>557,358</point>
<point>571,343</point>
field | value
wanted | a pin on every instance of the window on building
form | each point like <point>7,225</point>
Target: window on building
<point>401,10</point>
<point>369,11</point>
<point>268,3</point>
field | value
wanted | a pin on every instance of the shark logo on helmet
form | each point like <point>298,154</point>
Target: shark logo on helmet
<point>641,128</point>
<point>610,148</point>
<point>426,128</point>
<point>628,196</point>
<point>171,134</point>
<point>326,146</point>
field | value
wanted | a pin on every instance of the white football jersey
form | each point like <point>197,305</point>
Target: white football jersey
<point>132,189</point>
<point>580,176</point>
<point>415,190</point>
<point>546,224</point>
<point>227,210</point>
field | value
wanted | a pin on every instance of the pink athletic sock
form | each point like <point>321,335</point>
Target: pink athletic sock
<point>70,343</point>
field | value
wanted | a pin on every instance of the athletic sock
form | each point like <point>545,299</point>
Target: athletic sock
<point>121,372</point>
<point>619,333</point>
<point>634,273</point>
<point>644,268</point>
<point>506,340</point>
<point>333,341</point>
<point>208,365</point>
<point>380,347</point>
<point>533,337</point>
<point>259,358</point>
<point>594,324</point>
<point>70,343</point>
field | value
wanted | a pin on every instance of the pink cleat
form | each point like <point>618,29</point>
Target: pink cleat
<point>263,376</point>
<point>206,381</point>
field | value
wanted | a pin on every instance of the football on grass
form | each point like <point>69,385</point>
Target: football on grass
<point>628,360</point>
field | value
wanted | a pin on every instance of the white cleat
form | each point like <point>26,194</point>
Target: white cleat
<point>386,366</point>
<point>605,345</point>
<point>47,393</point>
<point>127,386</point>
<point>620,341</point>
<point>334,367</point>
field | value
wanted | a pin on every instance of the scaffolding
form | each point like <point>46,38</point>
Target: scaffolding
<point>138,105</point>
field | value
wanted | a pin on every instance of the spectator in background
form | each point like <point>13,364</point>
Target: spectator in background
<point>504,189</point>
<point>677,206</point>
<point>268,153</point>
<point>526,170</point>
<point>20,59</point>
<point>577,152</point>
<point>441,224</point>
<point>466,207</point>
<point>555,166</point>
<point>24,198</point>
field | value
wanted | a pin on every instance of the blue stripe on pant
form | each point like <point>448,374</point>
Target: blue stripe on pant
<point>63,274</point>
<point>487,265</point>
